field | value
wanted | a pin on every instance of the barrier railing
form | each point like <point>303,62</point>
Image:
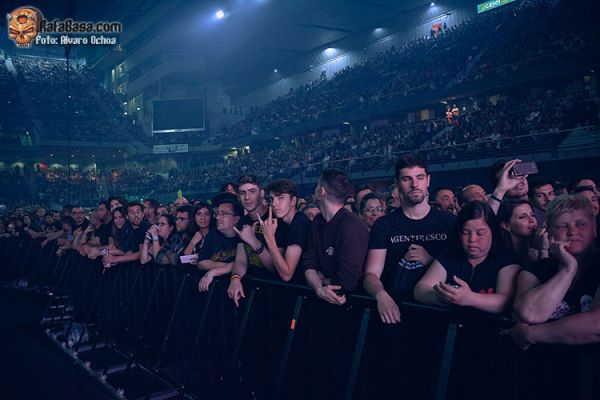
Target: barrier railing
<point>146,332</point>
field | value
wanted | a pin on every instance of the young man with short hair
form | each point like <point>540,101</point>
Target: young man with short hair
<point>252,253</point>
<point>283,195</point>
<point>404,243</point>
<point>541,193</point>
<point>337,242</point>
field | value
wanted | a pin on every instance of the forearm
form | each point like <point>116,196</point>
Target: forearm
<point>493,202</point>
<point>373,284</point>
<point>489,302</point>
<point>127,257</point>
<point>348,275</point>
<point>537,304</point>
<point>222,269</point>
<point>210,264</point>
<point>425,294</point>
<point>582,328</point>
<point>285,270</point>
<point>191,248</point>
<point>54,236</point>
<point>145,256</point>
<point>313,279</point>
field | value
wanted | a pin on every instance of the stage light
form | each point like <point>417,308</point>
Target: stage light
<point>432,4</point>
<point>275,70</point>
<point>330,52</point>
<point>220,14</point>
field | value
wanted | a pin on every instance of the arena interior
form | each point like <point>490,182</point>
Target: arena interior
<point>300,199</point>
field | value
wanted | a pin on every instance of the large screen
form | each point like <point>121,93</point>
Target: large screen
<point>182,115</point>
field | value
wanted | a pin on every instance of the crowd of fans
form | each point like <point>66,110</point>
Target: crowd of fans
<point>494,44</point>
<point>448,248</point>
<point>67,101</point>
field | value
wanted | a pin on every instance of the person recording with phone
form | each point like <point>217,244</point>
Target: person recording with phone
<point>509,181</point>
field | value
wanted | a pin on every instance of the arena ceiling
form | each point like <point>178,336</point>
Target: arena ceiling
<point>255,37</point>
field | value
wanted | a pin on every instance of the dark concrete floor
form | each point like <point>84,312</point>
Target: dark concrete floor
<point>31,367</point>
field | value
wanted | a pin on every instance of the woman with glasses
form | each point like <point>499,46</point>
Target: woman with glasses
<point>372,207</point>
<point>156,237</point>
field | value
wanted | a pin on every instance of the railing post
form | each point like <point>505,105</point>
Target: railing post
<point>360,344</point>
<point>442,385</point>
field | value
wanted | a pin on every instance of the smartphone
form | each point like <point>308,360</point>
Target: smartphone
<point>525,168</point>
<point>188,259</point>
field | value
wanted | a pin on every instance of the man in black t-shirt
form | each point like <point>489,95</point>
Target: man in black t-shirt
<point>283,196</point>
<point>252,254</point>
<point>134,235</point>
<point>217,255</point>
<point>403,244</point>
<point>558,298</point>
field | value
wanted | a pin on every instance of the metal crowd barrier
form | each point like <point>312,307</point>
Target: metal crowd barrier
<point>146,332</point>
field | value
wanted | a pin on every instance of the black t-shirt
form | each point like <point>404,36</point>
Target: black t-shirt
<point>82,226</point>
<point>218,247</point>
<point>395,232</point>
<point>296,231</point>
<point>255,266</point>
<point>123,238</point>
<point>103,233</point>
<point>580,297</point>
<point>138,235</point>
<point>481,278</point>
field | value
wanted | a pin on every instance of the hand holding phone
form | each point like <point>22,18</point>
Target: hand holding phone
<point>525,168</point>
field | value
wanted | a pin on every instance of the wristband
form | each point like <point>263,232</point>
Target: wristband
<point>235,276</point>
<point>493,197</point>
<point>155,239</point>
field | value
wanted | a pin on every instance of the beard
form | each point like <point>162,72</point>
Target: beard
<point>415,197</point>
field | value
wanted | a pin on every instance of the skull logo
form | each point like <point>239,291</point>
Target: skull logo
<point>23,25</point>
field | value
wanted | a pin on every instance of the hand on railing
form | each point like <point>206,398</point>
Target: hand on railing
<point>235,291</point>
<point>328,293</point>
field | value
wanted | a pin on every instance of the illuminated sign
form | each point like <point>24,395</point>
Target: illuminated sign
<point>490,5</point>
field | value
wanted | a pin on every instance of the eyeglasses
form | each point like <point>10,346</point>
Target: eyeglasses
<point>373,210</point>
<point>181,219</point>
<point>222,213</point>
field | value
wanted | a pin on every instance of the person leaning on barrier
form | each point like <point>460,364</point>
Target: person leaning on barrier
<point>177,242</point>
<point>132,235</point>
<point>217,255</point>
<point>156,236</point>
<point>252,256</point>
<point>558,298</point>
<point>476,270</point>
<point>337,241</point>
<point>404,243</point>
<point>282,195</point>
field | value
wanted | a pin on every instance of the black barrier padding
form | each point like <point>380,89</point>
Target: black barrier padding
<point>165,335</point>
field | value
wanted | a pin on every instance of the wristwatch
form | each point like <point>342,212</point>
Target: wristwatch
<point>259,249</point>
